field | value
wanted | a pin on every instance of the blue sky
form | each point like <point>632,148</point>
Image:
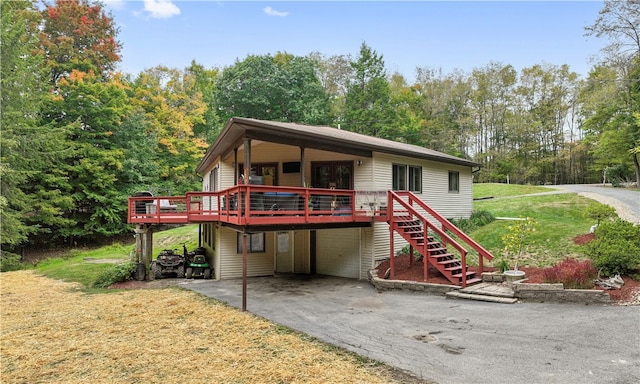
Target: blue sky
<point>443,35</point>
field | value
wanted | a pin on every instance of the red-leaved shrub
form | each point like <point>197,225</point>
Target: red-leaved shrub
<point>572,273</point>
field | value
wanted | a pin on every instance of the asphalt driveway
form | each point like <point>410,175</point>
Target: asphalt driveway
<point>628,198</point>
<point>449,341</point>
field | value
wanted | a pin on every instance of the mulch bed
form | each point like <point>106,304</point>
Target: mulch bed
<point>413,271</point>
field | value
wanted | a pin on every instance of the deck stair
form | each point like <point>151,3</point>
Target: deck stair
<point>412,230</point>
<point>441,244</point>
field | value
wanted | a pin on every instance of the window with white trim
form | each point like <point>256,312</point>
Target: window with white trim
<point>407,178</point>
<point>454,182</point>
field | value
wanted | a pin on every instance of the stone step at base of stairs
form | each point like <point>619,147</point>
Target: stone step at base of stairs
<point>489,289</point>
<point>479,297</point>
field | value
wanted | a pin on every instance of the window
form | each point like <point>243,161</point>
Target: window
<point>255,242</point>
<point>407,178</point>
<point>454,182</point>
<point>213,179</point>
<point>327,174</point>
<point>208,235</point>
<point>266,172</point>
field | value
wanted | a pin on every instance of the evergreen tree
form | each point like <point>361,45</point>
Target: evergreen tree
<point>368,102</point>
<point>31,201</point>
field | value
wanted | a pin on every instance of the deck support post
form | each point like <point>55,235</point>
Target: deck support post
<point>244,272</point>
<point>144,247</point>
<point>392,260</point>
<point>302,181</point>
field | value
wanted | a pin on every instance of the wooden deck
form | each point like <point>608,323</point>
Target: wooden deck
<point>266,206</point>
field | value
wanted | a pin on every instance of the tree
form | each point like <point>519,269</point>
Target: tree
<point>611,125</point>
<point>368,102</point>
<point>334,73</point>
<point>80,35</point>
<point>280,88</point>
<point>29,150</point>
<point>546,92</point>
<point>443,105</point>
<point>619,22</point>
<point>492,100</point>
<point>204,83</point>
<point>171,111</point>
<point>612,122</point>
<point>95,110</point>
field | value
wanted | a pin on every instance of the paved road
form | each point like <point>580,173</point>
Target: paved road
<point>629,198</point>
<point>450,341</point>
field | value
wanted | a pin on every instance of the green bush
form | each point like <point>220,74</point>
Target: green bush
<point>115,274</point>
<point>476,220</point>
<point>405,251</point>
<point>616,248</point>
<point>618,174</point>
<point>10,262</point>
<point>600,212</point>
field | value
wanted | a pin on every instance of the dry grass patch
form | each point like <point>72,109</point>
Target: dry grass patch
<point>52,332</point>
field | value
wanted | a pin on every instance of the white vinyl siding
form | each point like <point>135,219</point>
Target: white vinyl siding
<point>338,252</point>
<point>367,259</point>
<point>258,264</point>
<point>435,192</point>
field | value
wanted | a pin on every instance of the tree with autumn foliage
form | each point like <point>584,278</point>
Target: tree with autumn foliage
<point>78,35</point>
<point>87,102</point>
<point>171,110</point>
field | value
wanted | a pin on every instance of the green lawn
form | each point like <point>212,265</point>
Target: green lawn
<point>82,266</point>
<point>559,216</point>
<point>503,190</point>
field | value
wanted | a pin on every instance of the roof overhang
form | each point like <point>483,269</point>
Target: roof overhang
<point>237,129</point>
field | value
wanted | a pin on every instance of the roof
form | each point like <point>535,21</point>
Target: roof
<point>317,137</point>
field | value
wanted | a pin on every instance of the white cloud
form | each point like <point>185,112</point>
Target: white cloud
<point>272,12</point>
<point>114,4</point>
<point>161,9</point>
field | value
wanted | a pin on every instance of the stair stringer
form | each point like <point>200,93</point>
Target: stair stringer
<point>411,227</point>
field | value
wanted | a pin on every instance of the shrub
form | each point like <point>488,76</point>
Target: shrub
<point>615,249</point>
<point>115,274</point>
<point>405,251</point>
<point>572,273</point>
<point>600,212</point>
<point>618,174</point>
<point>476,220</point>
<point>9,262</point>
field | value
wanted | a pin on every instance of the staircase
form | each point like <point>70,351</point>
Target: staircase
<point>428,239</point>
<point>437,255</point>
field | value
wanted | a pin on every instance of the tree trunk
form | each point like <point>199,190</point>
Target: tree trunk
<point>636,164</point>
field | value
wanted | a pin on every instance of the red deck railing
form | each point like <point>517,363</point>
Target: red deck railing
<point>266,205</point>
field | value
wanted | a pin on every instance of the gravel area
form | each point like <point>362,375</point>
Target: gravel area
<point>623,211</point>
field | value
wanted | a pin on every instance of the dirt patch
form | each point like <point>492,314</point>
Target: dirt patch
<point>406,269</point>
<point>584,239</point>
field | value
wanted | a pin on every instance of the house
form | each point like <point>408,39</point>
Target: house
<point>322,201</point>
